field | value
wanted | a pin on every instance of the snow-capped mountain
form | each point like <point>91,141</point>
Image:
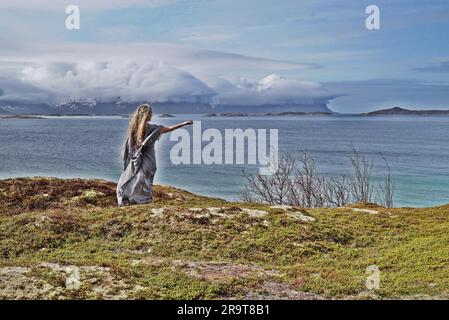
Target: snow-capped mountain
<point>77,105</point>
<point>118,106</point>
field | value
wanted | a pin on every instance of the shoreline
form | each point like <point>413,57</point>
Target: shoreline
<point>214,196</point>
<point>362,206</point>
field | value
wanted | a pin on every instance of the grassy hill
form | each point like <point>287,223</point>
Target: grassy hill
<point>66,239</point>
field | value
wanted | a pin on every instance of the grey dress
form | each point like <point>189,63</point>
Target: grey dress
<point>135,185</point>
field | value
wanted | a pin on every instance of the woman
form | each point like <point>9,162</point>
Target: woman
<point>135,185</point>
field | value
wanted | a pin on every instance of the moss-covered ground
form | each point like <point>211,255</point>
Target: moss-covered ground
<point>67,239</point>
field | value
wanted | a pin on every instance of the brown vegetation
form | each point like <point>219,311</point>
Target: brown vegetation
<point>298,183</point>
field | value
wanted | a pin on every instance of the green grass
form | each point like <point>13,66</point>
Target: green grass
<point>132,253</point>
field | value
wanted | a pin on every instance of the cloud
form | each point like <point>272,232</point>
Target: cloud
<point>132,81</point>
<point>162,82</point>
<point>442,67</point>
<point>14,89</point>
<point>155,82</point>
<point>271,89</point>
<point>197,61</point>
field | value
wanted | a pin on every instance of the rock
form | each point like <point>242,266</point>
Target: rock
<point>300,216</point>
<point>255,213</point>
<point>158,212</point>
<point>297,215</point>
<point>283,207</point>
<point>370,211</point>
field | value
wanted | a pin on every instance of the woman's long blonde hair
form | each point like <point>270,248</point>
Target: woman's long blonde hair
<point>138,124</point>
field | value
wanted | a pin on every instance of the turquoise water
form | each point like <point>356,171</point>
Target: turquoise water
<point>417,149</point>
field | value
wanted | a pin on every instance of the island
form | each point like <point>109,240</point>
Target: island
<point>318,113</point>
<point>21,116</point>
<point>166,115</point>
<point>228,114</point>
<point>397,111</point>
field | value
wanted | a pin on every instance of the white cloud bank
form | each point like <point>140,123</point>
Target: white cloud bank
<point>163,82</point>
<point>155,82</point>
<point>271,90</point>
<point>132,81</point>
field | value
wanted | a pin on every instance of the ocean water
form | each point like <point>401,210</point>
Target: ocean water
<point>417,149</point>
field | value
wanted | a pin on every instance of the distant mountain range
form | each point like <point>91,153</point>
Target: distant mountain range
<point>118,106</point>
<point>401,111</point>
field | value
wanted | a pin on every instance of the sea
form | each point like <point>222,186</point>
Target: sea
<point>416,148</point>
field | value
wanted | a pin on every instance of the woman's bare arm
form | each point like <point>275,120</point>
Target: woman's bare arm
<point>176,126</point>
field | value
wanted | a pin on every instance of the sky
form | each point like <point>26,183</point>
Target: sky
<point>228,52</point>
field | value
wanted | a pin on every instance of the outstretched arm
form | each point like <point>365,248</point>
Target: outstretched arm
<point>176,126</point>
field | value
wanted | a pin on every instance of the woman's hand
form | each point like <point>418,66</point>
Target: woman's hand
<point>169,129</point>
